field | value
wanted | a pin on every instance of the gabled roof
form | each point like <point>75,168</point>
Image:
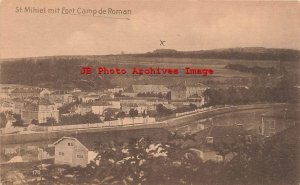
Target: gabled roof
<point>149,88</point>
<point>220,134</point>
<point>89,141</point>
<point>71,138</point>
<point>92,140</point>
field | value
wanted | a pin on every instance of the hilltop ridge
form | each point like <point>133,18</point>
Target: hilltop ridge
<point>245,53</point>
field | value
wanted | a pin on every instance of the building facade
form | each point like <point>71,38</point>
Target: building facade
<point>25,93</point>
<point>276,121</point>
<point>70,151</point>
<point>183,92</point>
<point>150,89</point>
<point>40,112</point>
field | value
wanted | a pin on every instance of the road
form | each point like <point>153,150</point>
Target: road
<point>167,124</point>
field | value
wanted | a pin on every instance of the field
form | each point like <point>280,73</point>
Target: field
<point>221,74</point>
<point>63,72</point>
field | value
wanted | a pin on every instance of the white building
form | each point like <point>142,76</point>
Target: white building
<point>40,112</point>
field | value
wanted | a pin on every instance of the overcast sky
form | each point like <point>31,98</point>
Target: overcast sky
<point>189,25</point>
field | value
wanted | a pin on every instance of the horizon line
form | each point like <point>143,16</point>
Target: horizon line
<point>120,54</point>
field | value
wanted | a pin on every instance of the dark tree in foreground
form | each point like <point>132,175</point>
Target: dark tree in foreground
<point>133,113</point>
<point>142,161</point>
<point>274,163</point>
<point>162,110</point>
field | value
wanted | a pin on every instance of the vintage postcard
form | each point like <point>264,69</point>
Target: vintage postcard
<point>160,92</point>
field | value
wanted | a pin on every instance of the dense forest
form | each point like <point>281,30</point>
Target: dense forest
<point>282,92</point>
<point>54,73</point>
<point>248,53</point>
<point>63,72</point>
<point>254,70</point>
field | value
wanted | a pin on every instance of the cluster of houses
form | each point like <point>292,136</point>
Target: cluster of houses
<point>41,104</point>
<point>37,105</point>
<point>34,104</point>
<point>79,150</point>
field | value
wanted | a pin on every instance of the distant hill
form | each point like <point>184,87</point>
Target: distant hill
<point>247,53</point>
<point>63,72</point>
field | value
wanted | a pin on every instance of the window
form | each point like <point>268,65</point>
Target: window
<point>272,133</point>
<point>209,139</point>
<point>272,124</point>
<point>70,144</point>
<point>61,153</point>
<point>80,156</point>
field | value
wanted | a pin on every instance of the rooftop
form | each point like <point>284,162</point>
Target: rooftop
<point>149,88</point>
<point>183,87</point>
<point>285,113</point>
<point>93,139</point>
<point>220,134</point>
<point>34,106</point>
<point>26,90</point>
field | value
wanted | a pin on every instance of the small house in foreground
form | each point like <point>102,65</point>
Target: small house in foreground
<point>211,144</point>
<point>276,121</point>
<point>70,151</point>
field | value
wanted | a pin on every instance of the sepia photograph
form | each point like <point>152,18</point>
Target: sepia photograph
<point>149,92</point>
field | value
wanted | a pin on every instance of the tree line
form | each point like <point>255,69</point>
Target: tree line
<point>283,92</point>
<point>254,70</point>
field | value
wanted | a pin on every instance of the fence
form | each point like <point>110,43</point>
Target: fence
<point>120,122</point>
